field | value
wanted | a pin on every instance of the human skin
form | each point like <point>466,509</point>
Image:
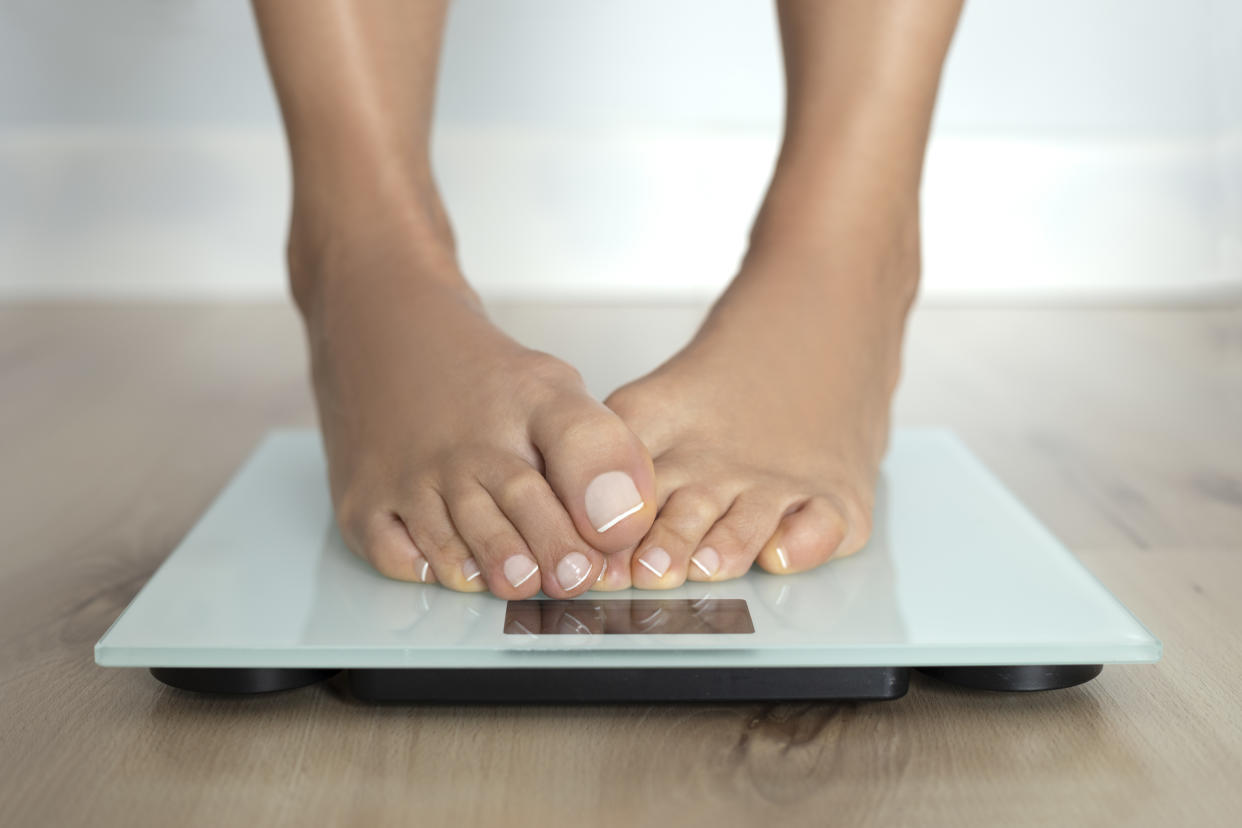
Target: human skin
<point>459,456</point>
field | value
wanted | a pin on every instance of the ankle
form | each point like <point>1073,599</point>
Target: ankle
<point>327,247</point>
<point>860,244</point>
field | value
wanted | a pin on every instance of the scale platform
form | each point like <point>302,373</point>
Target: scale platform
<point>959,580</point>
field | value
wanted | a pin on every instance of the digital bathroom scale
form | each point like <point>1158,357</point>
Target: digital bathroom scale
<point>959,580</point>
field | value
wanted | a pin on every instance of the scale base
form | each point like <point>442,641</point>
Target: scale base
<point>618,686</point>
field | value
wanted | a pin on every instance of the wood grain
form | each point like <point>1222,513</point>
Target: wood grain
<point>1121,429</point>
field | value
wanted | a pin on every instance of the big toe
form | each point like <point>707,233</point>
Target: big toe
<point>599,469</point>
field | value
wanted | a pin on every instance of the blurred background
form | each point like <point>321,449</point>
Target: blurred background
<point>1082,152</point>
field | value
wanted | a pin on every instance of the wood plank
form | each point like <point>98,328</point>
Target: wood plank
<point>1119,428</point>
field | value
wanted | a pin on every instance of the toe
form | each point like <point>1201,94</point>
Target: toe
<point>567,565</point>
<point>616,573</point>
<point>506,563</point>
<point>599,470</point>
<point>665,555</point>
<point>385,543</point>
<point>739,535</point>
<point>815,531</point>
<point>431,527</point>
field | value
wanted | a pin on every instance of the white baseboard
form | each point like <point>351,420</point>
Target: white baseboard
<point>200,214</point>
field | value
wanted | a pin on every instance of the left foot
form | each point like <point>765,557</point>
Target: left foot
<point>768,429</point>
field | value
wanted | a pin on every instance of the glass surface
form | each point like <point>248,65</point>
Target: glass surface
<point>957,573</point>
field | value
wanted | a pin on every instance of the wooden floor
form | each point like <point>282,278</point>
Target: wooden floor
<point>1122,430</point>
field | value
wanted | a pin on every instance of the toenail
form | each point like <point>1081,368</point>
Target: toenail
<point>602,570</point>
<point>707,561</point>
<point>573,570</point>
<point>422,569</point>
<point>656,561</point>
<point>519,568</point>
<point>610,499</point>
<point>470,569</point>
<point>782,557</point>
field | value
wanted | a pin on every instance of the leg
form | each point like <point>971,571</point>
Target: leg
<point>454,453</point>
<point>780,405</point>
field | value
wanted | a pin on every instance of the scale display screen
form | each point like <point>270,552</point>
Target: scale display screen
<point>629,616</point>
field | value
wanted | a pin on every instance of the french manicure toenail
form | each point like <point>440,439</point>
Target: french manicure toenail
<point>519,568</point>
<point>707,561</point>
<point>656,561</point>
<point>611,498</point>
<point>423,568</point>
<point>470,569</point>
<point>602,570</point>
<point>573,570</point>
<point>784,559</point>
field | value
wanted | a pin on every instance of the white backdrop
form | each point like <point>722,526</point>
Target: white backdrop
<point>607,147</point>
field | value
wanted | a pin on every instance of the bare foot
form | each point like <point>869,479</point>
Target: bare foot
<point>767,430</point>
<point>455,454</point>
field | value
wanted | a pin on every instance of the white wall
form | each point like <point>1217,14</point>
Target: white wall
<point>1083,149</point>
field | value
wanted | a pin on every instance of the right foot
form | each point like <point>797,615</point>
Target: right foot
<point>455,454</point>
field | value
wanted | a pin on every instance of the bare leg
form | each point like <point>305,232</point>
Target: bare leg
<point>455,454</point>
<point>768,428</point>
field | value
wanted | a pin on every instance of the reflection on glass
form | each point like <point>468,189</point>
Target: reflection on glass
<point>851,601</point>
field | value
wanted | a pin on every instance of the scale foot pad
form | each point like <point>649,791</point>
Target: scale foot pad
<point>241,680</point>
<point>1022,678</point>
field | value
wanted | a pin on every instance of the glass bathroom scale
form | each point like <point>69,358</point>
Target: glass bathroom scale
<point>959,580</point>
